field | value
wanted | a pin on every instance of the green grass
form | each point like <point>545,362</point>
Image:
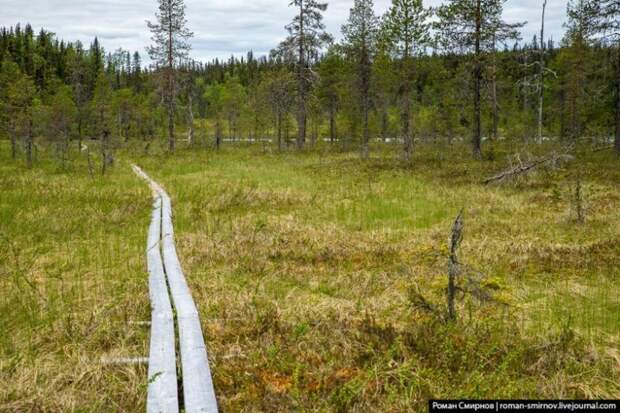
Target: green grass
<point>305,262</point>
<point>302,267</point>
<point>72,279</point>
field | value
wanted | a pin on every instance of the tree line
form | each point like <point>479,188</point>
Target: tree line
<point>414,75</point>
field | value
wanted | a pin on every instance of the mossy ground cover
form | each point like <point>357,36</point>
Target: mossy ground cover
<point>303,268</point>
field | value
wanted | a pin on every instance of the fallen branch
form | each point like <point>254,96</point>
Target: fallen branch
<point>525,168</point>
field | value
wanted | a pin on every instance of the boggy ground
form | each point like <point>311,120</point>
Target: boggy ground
<point>304,268</point>
<point>72,286</point>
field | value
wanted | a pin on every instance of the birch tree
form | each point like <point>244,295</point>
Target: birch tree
<point>170,47</point>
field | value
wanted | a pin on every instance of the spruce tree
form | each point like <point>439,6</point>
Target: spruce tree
<point>360,34</point>
<point>170,47</point>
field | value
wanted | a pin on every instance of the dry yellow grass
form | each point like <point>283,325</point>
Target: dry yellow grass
<point>302,267</point>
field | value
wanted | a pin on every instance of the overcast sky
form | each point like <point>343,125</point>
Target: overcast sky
<point>221,27</point>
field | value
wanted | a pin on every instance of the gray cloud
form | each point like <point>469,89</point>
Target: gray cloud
<point>221,27</point>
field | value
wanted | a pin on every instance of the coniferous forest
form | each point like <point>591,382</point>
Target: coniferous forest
<point>423,205</point>
<point>399,77</point>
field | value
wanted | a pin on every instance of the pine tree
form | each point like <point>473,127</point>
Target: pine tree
<point>606,19</point>
<point>170,47</point>
<point>474,26</point>
<point>331,70</point>
<point>406,29</point>
<point>102,118</point>
<point>541,73</point>
<point>360,34</point>
<point>580,28</point>
<point>306,37</point>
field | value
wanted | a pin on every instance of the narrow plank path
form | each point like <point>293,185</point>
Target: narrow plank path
<point>166,280</point>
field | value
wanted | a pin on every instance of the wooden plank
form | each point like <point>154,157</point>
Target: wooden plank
<point>198,391</point>
<point>162,393</point>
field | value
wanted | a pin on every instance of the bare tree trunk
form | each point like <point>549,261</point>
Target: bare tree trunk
<point>301,79</point>
<point>365,86</point>
<point>406,108</point>
<point>476,140</point>
<point>29,144</point>
<point>332,121</point>
<point>495,104</point>
<point>279,127</point>
<point>384,122</point>
<point>453,264</point>
<point>170,92</point>
<point>104,151</point>
<point>171,140</point>
<point>79,145</point>
<point>190,132</point>
<point>218,134</point>
<point>541,74</point>
<point>617,139</point>
<point>407,125</point>
<point>315,130</point>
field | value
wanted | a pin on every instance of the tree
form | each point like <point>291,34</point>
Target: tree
<point>580,28</point>
<point>406,29</point>
<point>360,34</point>
<point>123,107</point>
<point>474,26</point>
<point>102,118</point>
<point>9,71</point>
<point>21,97</point>
<point>170,46</point>
<point>331,71</point>
<point>233,101</point>
<point>606,19</point>
<point>62,114</point>
<point>78,75</point>
<point>306,37</point>
<point>214,95</point>
<point>541,73</point>
<point>278,87</point>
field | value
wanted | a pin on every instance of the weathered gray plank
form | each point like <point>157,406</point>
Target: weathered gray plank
<point>198,391</point>
<point>162,393</point>
<point>198,388</point>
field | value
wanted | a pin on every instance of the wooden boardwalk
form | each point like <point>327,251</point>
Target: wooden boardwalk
<point>166,280</point>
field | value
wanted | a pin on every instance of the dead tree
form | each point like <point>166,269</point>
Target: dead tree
<point>578,201</point>
<point>453,264</point>
<point>541,74</point>
<point>524,168</point>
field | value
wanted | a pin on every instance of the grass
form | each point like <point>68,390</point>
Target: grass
<point>302,267</point>
<point>72,281</point>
